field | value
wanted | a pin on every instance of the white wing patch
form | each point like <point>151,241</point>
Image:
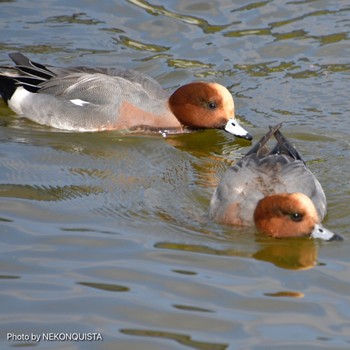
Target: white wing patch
<point>79,102</point>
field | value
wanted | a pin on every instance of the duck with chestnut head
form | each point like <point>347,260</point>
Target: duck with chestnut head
<point>273,189</point>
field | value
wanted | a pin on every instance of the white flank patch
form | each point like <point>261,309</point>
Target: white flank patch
<point>17,100</point>
<point>79,102</point>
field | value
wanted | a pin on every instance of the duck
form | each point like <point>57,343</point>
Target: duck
<point>272,189</point>
<point>97,99</point>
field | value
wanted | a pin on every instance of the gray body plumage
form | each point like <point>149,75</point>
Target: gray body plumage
<point>72,98</point>
<point>262,172</point>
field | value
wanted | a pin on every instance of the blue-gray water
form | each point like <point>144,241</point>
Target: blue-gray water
<point>108,233</point>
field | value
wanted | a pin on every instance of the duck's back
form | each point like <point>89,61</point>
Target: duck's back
<point>141,81</point>
<point>86,99</point>
<point>258,175</point>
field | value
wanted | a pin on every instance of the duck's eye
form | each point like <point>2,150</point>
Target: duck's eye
<point>296,217</point>
<point>212,105</point>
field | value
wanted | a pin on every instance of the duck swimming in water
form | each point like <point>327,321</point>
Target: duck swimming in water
<point>274,190</point>
<point>95,99</point>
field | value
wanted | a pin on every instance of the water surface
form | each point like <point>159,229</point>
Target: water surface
<point>108,233</point>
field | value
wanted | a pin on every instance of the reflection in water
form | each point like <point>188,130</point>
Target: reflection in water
<point>213,153</point>
<point>161,10</point>
<point>238,33</point>
<point>185,272</point>
<point>291,254</point>
<point>183,63</point>
<point>105,286</point>
<point>75,18</point>
<point>299,18</point>
<point>5,220</point>
<point>288,294</point>
<point>137,45</point>
<point>9,277</point>
<point>50,193</point>
<point>124,216</point>
<point>191,308</point>
<point>179,338</point>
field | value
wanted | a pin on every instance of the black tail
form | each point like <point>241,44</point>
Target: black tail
<point>283,146</point>
<point>30,76</point>
<point>259,148</point>
<point>7,87</point>
<point>30,68</point>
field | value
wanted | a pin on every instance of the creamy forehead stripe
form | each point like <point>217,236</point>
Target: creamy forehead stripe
<point>226,95</point>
